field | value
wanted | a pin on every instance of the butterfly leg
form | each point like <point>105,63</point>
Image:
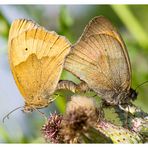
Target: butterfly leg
<point>42,114</point>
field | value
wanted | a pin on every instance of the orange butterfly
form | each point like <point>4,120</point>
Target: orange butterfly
<point>36,58</point>
<point>100,59</point>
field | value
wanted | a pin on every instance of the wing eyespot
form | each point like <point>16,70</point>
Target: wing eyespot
<point>26,49</point>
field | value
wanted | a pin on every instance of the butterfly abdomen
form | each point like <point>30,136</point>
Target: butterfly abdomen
<point>69,85</point>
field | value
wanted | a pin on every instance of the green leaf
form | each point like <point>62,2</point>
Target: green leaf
<point>60,102</point>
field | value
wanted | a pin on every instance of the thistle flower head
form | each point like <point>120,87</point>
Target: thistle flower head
<point>51,129</point>
<point>81,113</point>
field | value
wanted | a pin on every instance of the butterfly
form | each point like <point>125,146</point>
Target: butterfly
<point>36,58</point>
<point>100,59</point>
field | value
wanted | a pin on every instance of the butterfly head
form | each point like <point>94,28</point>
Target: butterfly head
<point>120,97</point>
<point>132,94</point>
<point>28,109</point>
<point>128,96</point>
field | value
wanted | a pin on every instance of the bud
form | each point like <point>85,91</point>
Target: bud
<point>118,134</point>
<point>140,125</point>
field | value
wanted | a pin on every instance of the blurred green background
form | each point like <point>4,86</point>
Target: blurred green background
<point>68,20</point>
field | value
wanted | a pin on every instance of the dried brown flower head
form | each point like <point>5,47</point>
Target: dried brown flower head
<point>81,113</point>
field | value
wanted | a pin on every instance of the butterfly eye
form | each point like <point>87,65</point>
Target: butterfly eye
<point>27,109</point>
<point>133,94</point>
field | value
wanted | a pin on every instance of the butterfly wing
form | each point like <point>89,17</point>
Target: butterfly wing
<point>100,58</point>
<point>36,59</point>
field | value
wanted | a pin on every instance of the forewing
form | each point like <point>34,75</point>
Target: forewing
<point>36,58</point>
<point>99,58</point>
<point>19,26</point>
<point>101,25</point>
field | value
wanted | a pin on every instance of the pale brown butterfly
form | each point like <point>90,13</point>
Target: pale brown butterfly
<point>100,59</point>
<point>36,58</point>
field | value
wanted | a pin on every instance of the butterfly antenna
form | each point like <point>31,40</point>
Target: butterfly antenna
<point>141,84</point>
<point>7,116</point>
